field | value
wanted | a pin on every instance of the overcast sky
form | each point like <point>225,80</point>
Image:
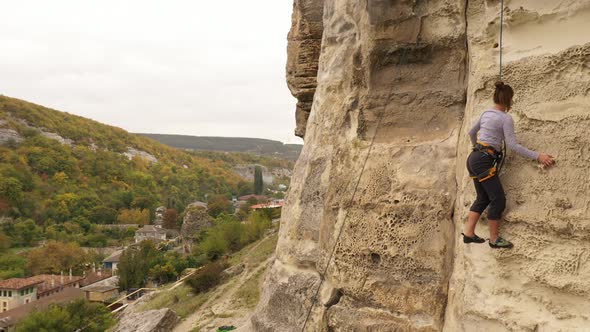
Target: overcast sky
<point>194,67</point>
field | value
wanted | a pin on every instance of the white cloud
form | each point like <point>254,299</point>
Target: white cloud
<point>187,67</point>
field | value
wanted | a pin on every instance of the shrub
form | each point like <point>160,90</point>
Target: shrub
<point>78,315</point>
<point>207,277</point>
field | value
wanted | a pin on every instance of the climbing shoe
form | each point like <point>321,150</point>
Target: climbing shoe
<point>472,239</point>
<point>501,244</point>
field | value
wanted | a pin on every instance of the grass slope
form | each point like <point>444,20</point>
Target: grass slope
<point>238,295</point>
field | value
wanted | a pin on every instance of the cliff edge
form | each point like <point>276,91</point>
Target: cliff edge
<point>401,82</point>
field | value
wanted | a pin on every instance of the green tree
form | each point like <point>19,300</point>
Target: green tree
<point>219,204</point>
<point>245,188</point>
<point>258,181</point>
<point>135,264</point>
<point>163,273</point>
<point>12,190</point>
<point>258,222</point>
<point>4,242</point>
<point>12,266</point>
<point>78,315</point>
<point>215,245</point>
<point>25,233</point>
<point>207,277</point>
<point>231,231</point>
<point>243,211</point>
<point>103,215</point>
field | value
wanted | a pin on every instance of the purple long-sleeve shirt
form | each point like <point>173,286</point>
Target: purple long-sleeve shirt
<point>494,126</point>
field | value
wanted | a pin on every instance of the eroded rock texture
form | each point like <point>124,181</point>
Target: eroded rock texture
<point>405,62</point>
<point>424,71</point>
<point>162,320</point>
<point>543,283</point>
<point>305,40</point>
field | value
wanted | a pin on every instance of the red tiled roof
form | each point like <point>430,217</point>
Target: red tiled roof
<point>45,279</point>
<point>267,205</point>
<point>150,229</point>
<point>18,283</point>
<point>94,277</point>
<point>247,197</point>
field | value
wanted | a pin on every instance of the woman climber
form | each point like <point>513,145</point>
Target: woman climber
<point>494,126</point>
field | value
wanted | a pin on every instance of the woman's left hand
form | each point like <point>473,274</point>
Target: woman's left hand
<point>546,160</point>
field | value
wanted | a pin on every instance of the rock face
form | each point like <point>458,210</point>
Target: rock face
<point>54,136</point>
<point>9,135</point>
<point>159,215</point>
<point>162,320</point>
<point>412,76</point>
<point>132,153</point>
<point>304,46</point>
<point>195,220</point>
<point>542,284</point>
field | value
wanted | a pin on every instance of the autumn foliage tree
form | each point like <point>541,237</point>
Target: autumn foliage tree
<point>219,204</point>
<point>61,186</point>
<point>134,216</point>
<point>170,219</point>
<point>56,257</point>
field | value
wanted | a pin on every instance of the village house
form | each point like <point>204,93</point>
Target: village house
<point>19,291</point>
<point>9,319</point>
<point>258,198</point>
<point>15,292</point>
<point>94,277</point>
<point>103,290</point>
<point>150,232</point>
<point>25,295</point>
<point>199,204</point>
<point>246,200</point>
<point>277,203</point>
<point>51,284</point>
<point>111,262</point>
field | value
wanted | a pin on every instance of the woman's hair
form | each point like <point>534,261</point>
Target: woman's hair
<point>503,94</point>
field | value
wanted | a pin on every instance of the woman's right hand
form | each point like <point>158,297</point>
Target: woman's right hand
<point>546,160</point>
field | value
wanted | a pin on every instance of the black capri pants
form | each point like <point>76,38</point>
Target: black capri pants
<point>490,192</point>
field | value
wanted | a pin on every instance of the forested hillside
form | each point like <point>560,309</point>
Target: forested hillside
<point>64,174</point>
<point>259,146</point>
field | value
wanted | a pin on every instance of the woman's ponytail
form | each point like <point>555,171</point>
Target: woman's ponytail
<point>503,94</point>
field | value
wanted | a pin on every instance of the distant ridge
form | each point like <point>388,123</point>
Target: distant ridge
<point>260,146</point>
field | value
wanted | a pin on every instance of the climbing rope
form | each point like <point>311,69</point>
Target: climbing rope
<point>501,32</point>
<point>323,274</point>
<point>504,150</point>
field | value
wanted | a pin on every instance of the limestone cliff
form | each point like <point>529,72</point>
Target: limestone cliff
<point>413,75</point>
<point>542,284</point>
<point>304,46</point>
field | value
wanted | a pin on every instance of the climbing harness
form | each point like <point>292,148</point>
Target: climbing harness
<point>380,118</point>
<point>488,150</point>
